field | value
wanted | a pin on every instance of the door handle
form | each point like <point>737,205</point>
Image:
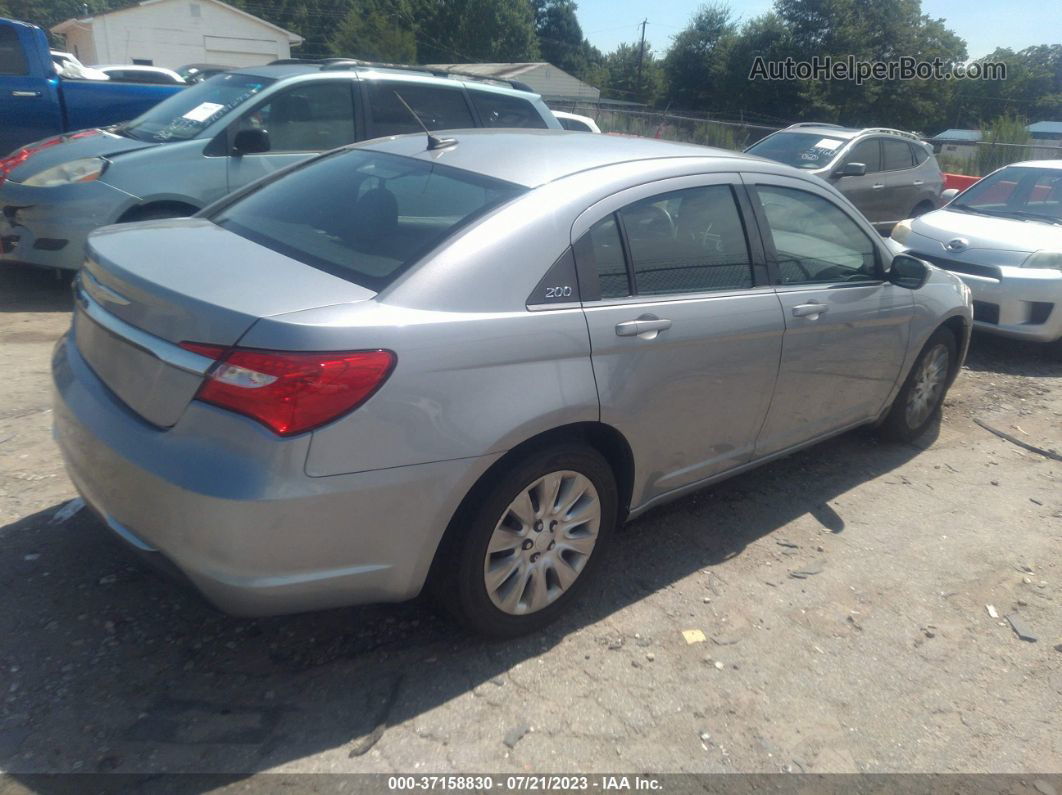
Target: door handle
<point>918,182</point>
<point>809,310</point>
<point>18,93</point>
<point>647,327</point>
<point>877,186</point>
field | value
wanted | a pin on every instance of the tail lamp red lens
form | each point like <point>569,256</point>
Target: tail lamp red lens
<point>291,392</point>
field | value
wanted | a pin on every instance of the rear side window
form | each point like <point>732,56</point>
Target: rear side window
<point>868,153</point>
<point>438,108</point>
<point>361,215</point>
<point>502,110</point>
<point>574,124</point>
<point>895,155</point>
<point>686,241</point>
<point>920,154</point>
<point>12,58</point>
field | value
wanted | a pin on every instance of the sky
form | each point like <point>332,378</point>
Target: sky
<point>984,25</point>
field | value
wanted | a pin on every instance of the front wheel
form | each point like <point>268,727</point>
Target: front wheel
<point>922,394</point>
<point>533,542</point>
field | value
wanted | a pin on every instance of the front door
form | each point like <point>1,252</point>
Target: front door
<point>29,106</point>
<point>846,327</point>
<point>301,121</point>
<point>867,192</point>
<point>685,333</point>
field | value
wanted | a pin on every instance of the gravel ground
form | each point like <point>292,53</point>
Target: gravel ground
<point>842,595</point>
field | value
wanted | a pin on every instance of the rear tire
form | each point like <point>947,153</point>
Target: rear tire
<point>531,544</point>
<point>919,400</point>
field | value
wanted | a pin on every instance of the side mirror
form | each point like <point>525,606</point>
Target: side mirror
<point>949,194</point>
<point>251,142</point>
<point>851,170</point>
<point>907,271</point>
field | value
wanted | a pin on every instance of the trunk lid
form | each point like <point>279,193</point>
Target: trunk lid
<point>147,287</point>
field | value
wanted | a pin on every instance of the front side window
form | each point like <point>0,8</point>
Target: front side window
<point>190,111</point>
<point>364,216</point>
<point>313,117</point>
<point>895,155</point>
<point>868,153</point>
<point>799,149</point>
<point>438,108</point>
<point>12,58</point>
<point>503,110</point>
<point>686,241</point>
<point>814,240</point>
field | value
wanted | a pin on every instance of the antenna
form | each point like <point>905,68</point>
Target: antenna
<point>434,142</point>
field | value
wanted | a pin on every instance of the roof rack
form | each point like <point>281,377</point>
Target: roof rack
<point>817,124</point>
<point>335,64</point>
<point>891,131</point>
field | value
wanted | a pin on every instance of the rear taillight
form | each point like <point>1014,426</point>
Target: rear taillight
<point>291,392</point>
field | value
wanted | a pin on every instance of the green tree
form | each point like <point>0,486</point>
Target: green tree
<point>560,37</point>
<point>377,30</point>
<point>455,31</point>
<point>1033,88</point>
<point>628,80</point>
<point>765,37</point>
<point>696,63</point>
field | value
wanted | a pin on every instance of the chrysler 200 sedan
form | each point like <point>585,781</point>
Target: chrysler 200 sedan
<point>461,364</point>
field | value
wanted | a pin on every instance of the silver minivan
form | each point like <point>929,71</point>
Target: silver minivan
<point>888,174</point>
<point>220,135</point>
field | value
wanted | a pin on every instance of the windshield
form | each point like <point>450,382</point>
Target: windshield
<point>800,149</point>
<point>364,216</point>
<point>1016,192</point>
<point>189,112</point>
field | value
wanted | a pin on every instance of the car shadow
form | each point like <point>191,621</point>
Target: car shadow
<point>992,354</point>
<point>123,670</point>
<point>27,289</point>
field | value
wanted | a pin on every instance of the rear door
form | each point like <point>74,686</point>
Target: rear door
<point>302,120</point>
<point>846,327</point>
<point>685,332</point>
<point>437,107</point>
<point>902,182</point>
<point>29,104</point>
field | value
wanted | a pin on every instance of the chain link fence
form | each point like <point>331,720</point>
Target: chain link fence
<point>969,158</point>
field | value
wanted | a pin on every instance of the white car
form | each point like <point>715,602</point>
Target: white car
<point>135,73</point>
<point>576,123</point>
<point>1003,237</point>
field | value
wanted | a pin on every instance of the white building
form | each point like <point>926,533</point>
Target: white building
<point>543,78</point>
<point>172,33</point>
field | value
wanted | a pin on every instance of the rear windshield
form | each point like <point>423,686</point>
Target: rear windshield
<point>363,215</point>
<point>189,112</point>
<point>803,150</point>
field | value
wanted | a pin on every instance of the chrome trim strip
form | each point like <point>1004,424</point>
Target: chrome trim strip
<point>161,349</point>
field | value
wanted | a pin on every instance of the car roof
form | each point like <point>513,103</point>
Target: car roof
<point>281,71</point>
<point>535,157</point>
<point>1037,164</point>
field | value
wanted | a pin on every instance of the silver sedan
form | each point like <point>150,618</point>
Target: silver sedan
<point>460,362</point>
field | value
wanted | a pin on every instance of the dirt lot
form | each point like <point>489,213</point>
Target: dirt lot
<point>842,593</point>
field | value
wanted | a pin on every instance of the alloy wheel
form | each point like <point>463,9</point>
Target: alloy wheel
<point>542,542</point>
<point>928,386</point>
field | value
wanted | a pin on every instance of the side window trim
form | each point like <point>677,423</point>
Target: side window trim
<point>586,263</point>
<point>772,255</point>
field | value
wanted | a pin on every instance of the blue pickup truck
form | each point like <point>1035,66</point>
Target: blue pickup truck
<point>36,103</point>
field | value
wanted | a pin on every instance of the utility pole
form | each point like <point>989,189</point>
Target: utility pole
<point>641,54</point>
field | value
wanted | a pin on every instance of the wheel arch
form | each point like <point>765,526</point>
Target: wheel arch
<point>605,439</point>
<point>146,209</point>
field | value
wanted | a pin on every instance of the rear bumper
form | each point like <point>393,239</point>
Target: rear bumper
<point>236,513</point>
<point>1021,304</point>
<point>47,227</point>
